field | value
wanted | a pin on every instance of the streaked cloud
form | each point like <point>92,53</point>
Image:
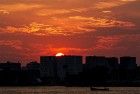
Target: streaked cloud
<point>54,12</point>
<point>68,26</point>
<point>18,7</point>
<point>106,11</point>
<point>99,22</point>
<point>4,12</point>
<point>128,0</point>
<point>14,44</point>
<point>107,42</point>
<point>111,3</point>
<point>118,42</point>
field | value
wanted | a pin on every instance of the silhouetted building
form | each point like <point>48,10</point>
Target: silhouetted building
<point>128,62</point>
<point>68,65</point>
<point>30,74</point>
<point>10,66</point>
<point>127,68</point>
<point>9,73</point>
<point>93,61</point>
<point>113,62</point>
<point>48,66</point>
<point>33,66</point>
<point>97,68</point>
<point>113,68</point>
<point>53,67</point>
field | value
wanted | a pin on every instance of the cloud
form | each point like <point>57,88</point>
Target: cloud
<point>19,7</point>
<point>128,0</point>
<point>129,11</point>
<point>14,44</point>
<point>55,12</point>
<point>4,12</point>
<point>106,11</point>
<point>69,26</point>
<point>105,43</point>
<point>111,3</point>
<point>100,22</point>
<point>105,5</point>
<point>118,42</point>
<point>49,12</point>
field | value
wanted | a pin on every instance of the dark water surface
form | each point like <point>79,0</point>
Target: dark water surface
<point>67,90</point>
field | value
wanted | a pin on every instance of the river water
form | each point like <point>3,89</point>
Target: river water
<point>67,90</point>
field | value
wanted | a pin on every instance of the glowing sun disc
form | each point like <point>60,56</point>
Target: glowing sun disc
<point>59,54</point>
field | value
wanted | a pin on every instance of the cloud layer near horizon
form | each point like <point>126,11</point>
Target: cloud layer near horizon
<point>30,28</point>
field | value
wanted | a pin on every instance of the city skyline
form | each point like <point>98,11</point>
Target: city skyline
<point>84,59</point>
<point>70,71</point>
<point>33,28</point>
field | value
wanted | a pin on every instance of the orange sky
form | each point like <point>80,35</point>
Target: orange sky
<point>30,28</point>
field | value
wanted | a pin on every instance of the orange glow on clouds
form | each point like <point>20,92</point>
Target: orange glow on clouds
<point>69,26</point>
<point>19,7</point>
<point>31,28</point>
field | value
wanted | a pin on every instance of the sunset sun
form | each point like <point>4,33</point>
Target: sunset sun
<point>59,54</point>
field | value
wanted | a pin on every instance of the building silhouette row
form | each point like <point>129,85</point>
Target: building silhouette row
<point>70,70</point>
